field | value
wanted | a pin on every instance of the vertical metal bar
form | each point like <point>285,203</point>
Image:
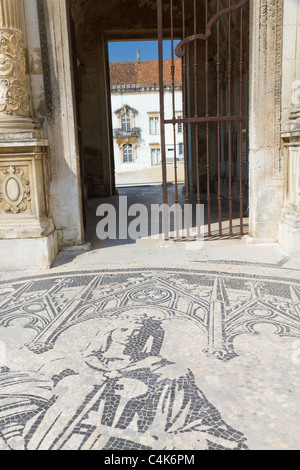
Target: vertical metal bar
<point>207,125</point>
<point>173,69</point>
<point>219,125</point>
<point>198,168</point>
<point>196,105</point>
<point>229,125</point>
<point>184,104</point>
<point>241,125</point>
<point>162,113</point>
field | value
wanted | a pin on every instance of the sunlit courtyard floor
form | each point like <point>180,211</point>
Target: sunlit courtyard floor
<point>152,345</point>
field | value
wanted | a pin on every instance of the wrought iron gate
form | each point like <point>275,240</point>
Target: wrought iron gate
<point>214,116</point>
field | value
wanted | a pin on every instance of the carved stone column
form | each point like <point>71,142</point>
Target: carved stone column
<point>27,235</point>
<point>14,96</point>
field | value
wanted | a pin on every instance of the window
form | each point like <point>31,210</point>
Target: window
<point>126,122</point>
<point>181,150</point>
<point>155,156</point>
<point>154,125</point>
<point>127,154</point>
<point>180,126</point>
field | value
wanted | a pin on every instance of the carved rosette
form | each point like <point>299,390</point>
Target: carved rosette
<point>14,190</point>
<point>14,97</point>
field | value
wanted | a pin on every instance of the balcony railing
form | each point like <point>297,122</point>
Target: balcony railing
<point>120,133</point>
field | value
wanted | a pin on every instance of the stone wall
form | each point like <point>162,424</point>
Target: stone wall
<point>289,225</point>
<point>65,186</point>
<point>266,170</point>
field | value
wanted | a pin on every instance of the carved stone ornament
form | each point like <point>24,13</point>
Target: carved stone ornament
<point>14,190</point>
<point>126,109</point>
<point>14,98</point>
<point>295,105</point>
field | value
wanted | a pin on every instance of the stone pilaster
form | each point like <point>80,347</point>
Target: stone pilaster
<point>27,235</point>
<point>289,224</point>
<point>266,169</point>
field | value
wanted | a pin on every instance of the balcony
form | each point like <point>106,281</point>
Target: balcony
<point>121,134</point>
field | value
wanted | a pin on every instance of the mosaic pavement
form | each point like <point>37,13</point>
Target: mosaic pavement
<point>150,359</point>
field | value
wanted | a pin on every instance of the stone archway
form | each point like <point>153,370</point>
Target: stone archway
<point>266,165</point>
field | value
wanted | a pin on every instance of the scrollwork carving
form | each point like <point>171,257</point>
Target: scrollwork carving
<point>14,98</point>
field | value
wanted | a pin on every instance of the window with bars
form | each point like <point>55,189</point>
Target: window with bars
<point>180,126</point>
<point>126,122</point>
<point>154,125</point>
<point>155,156</point>
<point>127,153</point>
<point>181,149</point>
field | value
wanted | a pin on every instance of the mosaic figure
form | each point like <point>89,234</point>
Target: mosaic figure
<point>121,394</point>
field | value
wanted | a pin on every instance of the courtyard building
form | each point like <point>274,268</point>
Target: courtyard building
<point>136,122</point>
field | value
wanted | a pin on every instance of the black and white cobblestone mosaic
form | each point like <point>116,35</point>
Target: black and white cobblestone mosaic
<point>89,363</point>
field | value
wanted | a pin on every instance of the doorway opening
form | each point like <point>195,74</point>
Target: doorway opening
<point>192,101</point>
<point>135,103</point>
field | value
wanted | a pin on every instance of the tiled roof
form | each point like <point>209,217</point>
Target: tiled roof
<point>144,74</point>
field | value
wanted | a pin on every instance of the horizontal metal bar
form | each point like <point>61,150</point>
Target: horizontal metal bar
<point>206,119</point>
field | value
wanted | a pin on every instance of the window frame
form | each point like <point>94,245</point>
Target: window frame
<point>181,146</point>
<point>180,125</point>
<point>154,122</point>
<point>127,153</point>
<point>126,122</point>
<point>155,156</point>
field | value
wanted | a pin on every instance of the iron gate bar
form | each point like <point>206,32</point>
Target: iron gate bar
<point>162,113</point>
<point>208,198</point>
<point>173,103</point>
<point>229,124</point>
<point>241,123</point>
<point>209,119</point>
<point>174,124</point>
<point>219,124</point>
<point>185,124</point>
<point>184,121</point>
<point>196,106</point>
